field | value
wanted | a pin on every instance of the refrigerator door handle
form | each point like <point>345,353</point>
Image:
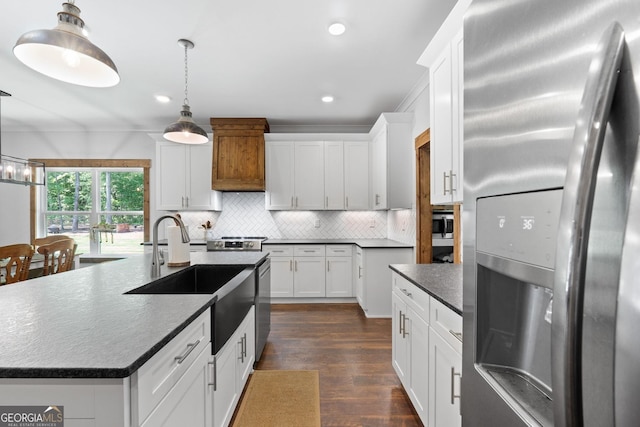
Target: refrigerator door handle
<point>574,225</point>
<point>627,345</point>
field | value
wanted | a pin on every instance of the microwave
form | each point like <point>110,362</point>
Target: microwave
<point>442,228</point>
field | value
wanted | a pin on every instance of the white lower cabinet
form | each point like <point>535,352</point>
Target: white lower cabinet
<point>232,366</point>
<point>189,399</point>
<point>427,353</point>
<point>339,274</point>
<point>373,277</point>
<point>410,344</point>
<point>311,271</point>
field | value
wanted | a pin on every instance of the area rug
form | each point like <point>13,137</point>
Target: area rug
<point>280,398</point>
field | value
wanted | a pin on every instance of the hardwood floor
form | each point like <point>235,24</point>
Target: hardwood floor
<point>358,386</point>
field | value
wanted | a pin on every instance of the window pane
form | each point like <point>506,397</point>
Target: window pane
<point>74,226</point>
<point>69,191</point>
<point>124,236</point>
<point>121,191</point>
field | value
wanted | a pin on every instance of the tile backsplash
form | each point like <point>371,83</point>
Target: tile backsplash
<point>244,214</point>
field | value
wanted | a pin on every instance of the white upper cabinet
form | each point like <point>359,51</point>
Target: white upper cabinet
<point>392,162</point>
<point>446,110</point>
<point>316,172</point>
<point>183,177</point>
<point>356,175</point>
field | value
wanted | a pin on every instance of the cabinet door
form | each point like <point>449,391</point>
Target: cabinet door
<point>379,170</point>
<point>190,400</point>
<point>309,175</point>
<point>356,175</point>
<point>309,277</point>
<point>441,127</point>
<point>457,99</point>
<point>281,277</point>
<point>171,176</point>
<point>445,370</point>
<point>247,348</point>
<point>334,179</point>
<point>200,195</point>
<point>339,281</point>
<point>399,339</point>
<point>279,175</point>
<point>225,394</point>
<point>418,363</point>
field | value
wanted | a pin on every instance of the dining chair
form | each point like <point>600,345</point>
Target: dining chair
<point>39,241</point>
<point>58,256</point>
<point>18,258</point>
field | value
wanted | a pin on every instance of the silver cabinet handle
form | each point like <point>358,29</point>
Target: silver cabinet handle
<point>187,198</point>
<point>186,354</point>
<point>458,335</point>
<point>328,264</point>
<point>213,373</point>
<point>444,182</point>
<point>454,374</point>
<point>400,323</point>
<point>244,345</point>
<point>241,343</point>
<point>359,272</point>
<point>346,202</point>
<point>377,199</point>
<point>451,175</point>
<point>290,265</point>
<point>404,326</point>
<point>183,201</point>
<point>574,225</point>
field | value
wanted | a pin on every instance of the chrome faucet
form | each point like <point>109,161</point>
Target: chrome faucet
<point>156,262</point>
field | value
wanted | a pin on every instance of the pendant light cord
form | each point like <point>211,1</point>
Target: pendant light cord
<point>186,77</point>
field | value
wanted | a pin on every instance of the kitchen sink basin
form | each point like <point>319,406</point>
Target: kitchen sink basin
<point>233,286</point>
<point>197,279</point>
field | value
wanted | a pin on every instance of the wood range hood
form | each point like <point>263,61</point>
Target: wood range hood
<point>238,154</point>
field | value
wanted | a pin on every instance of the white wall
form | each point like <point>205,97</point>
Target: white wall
<point>14,199</point>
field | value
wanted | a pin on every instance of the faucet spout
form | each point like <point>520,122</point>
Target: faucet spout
<point>155,257</point>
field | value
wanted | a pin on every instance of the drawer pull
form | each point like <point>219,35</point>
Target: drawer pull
<point>186,354</point>
<point>458,335</point>
<point>404,291</point>
<point>213,375</point>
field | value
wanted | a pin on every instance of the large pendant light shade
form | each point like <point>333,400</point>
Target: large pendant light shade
<point>185,130</point>
<point>65,53</point>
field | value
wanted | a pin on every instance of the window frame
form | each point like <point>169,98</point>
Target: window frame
<point>144,164</point>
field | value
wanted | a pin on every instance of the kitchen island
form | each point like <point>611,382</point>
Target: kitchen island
<point>77,339</point>
<point>441,281</point>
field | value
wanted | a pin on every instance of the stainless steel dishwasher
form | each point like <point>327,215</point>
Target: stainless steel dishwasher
<point>263,306</point>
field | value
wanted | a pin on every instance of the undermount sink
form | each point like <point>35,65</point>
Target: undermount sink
<point>197,279</point>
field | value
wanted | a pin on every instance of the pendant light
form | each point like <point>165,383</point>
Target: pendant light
<point>185,131</point>
<point>65,53</point>
<point>15,170</point>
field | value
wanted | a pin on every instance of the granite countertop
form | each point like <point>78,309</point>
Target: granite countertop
<point>78,324</point>
<point>363,243</point>
<point>441,281</point>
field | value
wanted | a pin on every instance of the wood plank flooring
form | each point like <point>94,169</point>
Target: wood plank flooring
<point>358,386</point>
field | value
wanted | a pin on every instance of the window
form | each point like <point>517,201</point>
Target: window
<point>101,204</point>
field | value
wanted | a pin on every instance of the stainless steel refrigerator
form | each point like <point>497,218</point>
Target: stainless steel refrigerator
<point>551,218</point>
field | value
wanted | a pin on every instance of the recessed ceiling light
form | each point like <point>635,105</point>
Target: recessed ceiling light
<point>337,28</point>
<point>164,99</point>
<point>327,98</point>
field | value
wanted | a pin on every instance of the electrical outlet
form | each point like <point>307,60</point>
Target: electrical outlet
<point>404,225</point>
<point>372,223</point>
<point>316,223</point>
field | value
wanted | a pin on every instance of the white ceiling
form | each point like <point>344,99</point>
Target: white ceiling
<point>252,58</point>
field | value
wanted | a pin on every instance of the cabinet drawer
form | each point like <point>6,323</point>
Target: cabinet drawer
<point>308,250</point>
<point>278,250</point>
<point>413,296</point>
<point>159,374</point>
<point>339,250</point>
<point>447,323</point>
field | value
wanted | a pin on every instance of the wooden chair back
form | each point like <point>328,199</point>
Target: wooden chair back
<point>58,256</point>
<point>39,241</point>
<point>19,259</point>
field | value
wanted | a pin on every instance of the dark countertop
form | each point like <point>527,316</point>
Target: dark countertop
<point>363,243</point>
<point>79,324</point>
<point>441,281</point>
